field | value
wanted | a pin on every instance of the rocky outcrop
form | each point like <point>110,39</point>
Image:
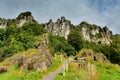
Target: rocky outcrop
<point>95,33</point>
<point>19,21</point>
<point>20,60</point>
<point>86,55</point>
<point>61,27</point>
<point>90,32</point>
<point>24,18</point>
<point>101,58</point>
<point>42,65</point>
<point>90,55</point>
<point>39,59</point>
<point>3,69</point>
<point>3,23</point>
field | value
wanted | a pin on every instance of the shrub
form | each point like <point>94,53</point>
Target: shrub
<point>75,40</point>
<point>59,44</point>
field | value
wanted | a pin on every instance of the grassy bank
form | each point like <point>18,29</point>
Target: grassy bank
<point>15,73</point>
<point>101,72</point>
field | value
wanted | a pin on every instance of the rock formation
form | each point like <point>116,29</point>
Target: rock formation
<point>39,59</point>
<point>3,69</point>
<point>95,33</point>
<point>91,33</point>
<point>19,21</point>
<point>3,23</point>
<point>90,55</point>
<point>61,27</point>
<point>24,17</point>
<point>101,58</point>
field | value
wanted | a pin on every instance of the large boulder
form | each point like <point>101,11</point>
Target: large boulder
<point>39,59</point>
<point>20,60</point>
<point>90,55</point>
<point>42,65</point>
<point>86,55</point>
<point>3,69</point>
<point>101,58</point>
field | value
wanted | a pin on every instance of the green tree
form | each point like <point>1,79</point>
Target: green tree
<point>115,49</point>
<point>11,30</point>
<point>75,40</point>
<point>59,44</point>
<point>33,28</point>
<point>2,34</point>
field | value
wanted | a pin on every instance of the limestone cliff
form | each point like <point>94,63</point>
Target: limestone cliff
<point>3,23</point>
<point>19,21</point>
<point>24,17</point>
<point>95,33</point>
<point>90,32</point>
<point>61,27</point>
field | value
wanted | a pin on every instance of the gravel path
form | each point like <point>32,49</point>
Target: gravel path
<point>52,75</point>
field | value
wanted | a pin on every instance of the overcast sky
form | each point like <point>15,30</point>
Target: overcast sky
<point>100,12</point>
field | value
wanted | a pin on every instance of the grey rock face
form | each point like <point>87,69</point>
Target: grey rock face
<point>61,27</point>
<point>95,33</point>
<point>3,69</point>
<point>24,17</point>
<point>3,23</point>
<point>90,32</point>
<point>19,21</point>
<point>101,58</point>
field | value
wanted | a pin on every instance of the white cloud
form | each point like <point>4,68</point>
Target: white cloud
<point>98,12</point>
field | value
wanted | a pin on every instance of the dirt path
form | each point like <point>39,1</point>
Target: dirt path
<point>52,75</point>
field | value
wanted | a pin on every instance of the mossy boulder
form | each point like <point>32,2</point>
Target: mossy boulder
<point>90,55</point>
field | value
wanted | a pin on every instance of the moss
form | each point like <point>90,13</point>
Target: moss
<point>5,62</point>
<point>81,52</point>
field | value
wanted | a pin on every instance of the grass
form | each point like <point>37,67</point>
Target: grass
<point>55,64</point>
<point>108,72</point>
<point>74,73</point>
<point>103,72</point>
<point>15,73</point>
<point>28,53</point>
<point>69,76</point>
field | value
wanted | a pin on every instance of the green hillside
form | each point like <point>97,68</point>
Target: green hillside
<point>29,50</point>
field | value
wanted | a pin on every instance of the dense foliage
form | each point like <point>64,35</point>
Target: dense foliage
<point>75,40</point>
<point>115,49</point>
<point>111,51</point>
<point>59,44</point>
<point>14,39</point>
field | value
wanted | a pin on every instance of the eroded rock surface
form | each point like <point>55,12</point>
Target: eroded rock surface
<point>61,27</point>
<point>95,33</point>
<point>22,18</point>
<point>90,55</point>
<point>101,58</point>
<point>3,69</point>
